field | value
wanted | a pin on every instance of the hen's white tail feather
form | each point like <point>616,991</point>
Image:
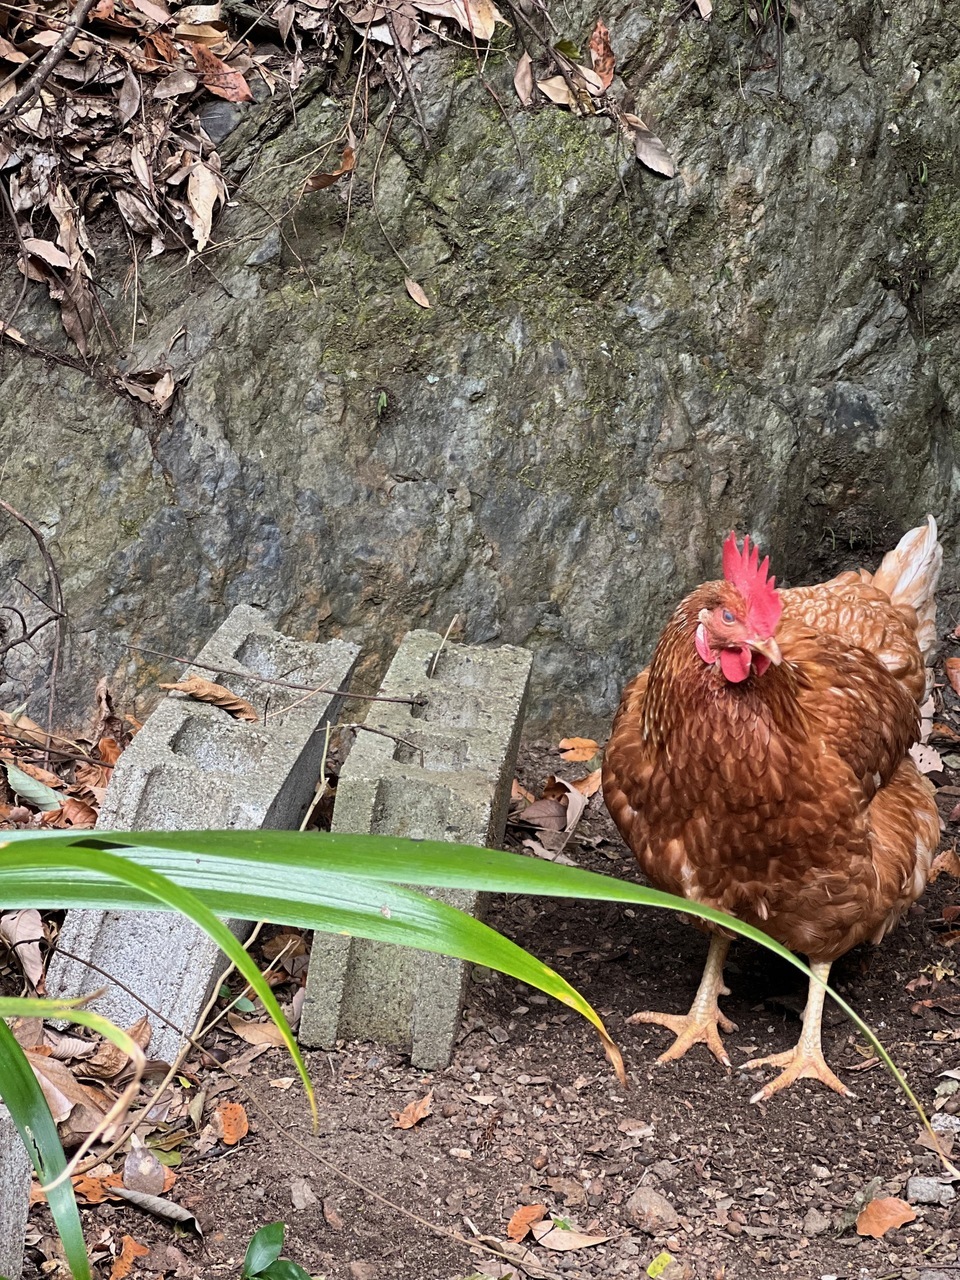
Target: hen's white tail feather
<point>909,575</point>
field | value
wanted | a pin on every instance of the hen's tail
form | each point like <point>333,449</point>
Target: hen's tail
<point>909,575</point>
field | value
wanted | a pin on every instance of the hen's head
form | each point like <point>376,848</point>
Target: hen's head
<point>737,630</point>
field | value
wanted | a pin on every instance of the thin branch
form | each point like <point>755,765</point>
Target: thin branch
<point>405,72</point>
<point>36,82</point>
<point>282,684</point>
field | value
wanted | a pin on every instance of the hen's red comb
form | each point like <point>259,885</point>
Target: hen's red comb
<point>743,571</point>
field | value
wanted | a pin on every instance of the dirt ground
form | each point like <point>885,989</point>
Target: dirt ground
<point>529,1112</point>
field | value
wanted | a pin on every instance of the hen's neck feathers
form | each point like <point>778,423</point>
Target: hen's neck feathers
<point>685,696</point>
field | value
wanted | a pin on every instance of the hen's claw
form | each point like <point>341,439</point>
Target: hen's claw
<point>690,1029</point>
<point>803,1062</point>
<point>699,1026</point>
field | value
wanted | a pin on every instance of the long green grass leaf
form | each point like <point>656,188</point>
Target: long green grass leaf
<point>28,1108</point>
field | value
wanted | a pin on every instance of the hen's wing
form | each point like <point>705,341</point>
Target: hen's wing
<point>626,759</point>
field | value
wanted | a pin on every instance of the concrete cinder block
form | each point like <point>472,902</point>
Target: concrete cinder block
<point>14,1196</point>
<point>444,775</point>
<point>191,767</point>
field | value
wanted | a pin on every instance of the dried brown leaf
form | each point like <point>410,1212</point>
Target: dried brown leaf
<point>881,1216</point>
<point>558,1238</point>
<point>130,1250</point>
<point>206,691</point>
<point>204,189</point>
<point>255,1032</point>
<point>589,785</point>
<point>952,666</point>
<point>479,17</point>
<point>413,1112</point>
<point>649,149</point>
<point>704,7</point>
<point>601,54</point>
<point>416,292</point>
<point>547,815</point>
<point>130,95</point>
<point>946,862</point>
<point>22,931</point>
<point>523,1219</point>
<point>230,1123</point>
<point>578,750</point>
<point>558,91</point>
<point>320,181</point>
<point>219,78</point>
<point>523,79</point>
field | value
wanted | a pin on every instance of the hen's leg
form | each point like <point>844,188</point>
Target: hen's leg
<point>806,1060</point>
<point>700,1025</point>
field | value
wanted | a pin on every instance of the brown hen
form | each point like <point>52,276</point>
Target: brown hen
<point>761,765</point>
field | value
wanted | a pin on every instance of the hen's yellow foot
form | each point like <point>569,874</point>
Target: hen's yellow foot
<point>700,1025</point>
<point>799,1063</point>
<point>690,1029</point>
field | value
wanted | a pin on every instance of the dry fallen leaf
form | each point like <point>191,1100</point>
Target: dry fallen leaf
<point>578,750</point>
<point>601,54</point>
<point>558,91</point>
<point>552,1236</point>
<point>589,785</point>
<point>22,931</point>
<point>524,1218</point>
<point>129,1250</point>
<point>945,862</point>
<point>267,1033</point>
<point>319,181</point>
<point>207,691</point>
<point>705,7</point>
<point>523,79</point>
<point>416,292</point>
<point>952,666</point>
<point>650,150</point>
<point>230,1123</point>
<point>881,1216</point>
<point>413,1112</point>
<point>926,758</point>
<point>520,793</point>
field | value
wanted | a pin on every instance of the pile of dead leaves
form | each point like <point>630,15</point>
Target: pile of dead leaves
<point>547,824</point>
<point>53,781</point>
<point>111,135</point>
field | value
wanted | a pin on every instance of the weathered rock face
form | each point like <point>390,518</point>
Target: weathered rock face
<point>616,368</point>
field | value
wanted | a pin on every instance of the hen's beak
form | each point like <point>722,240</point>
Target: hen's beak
<point>769,648</point>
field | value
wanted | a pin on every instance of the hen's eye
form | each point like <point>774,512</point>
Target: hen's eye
<point>728,616</point>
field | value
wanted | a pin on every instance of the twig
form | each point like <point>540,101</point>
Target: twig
<point>321,782</point>
<point>404,71</point>
<point>55,589</point>
<point>26,635</point>
<point>36,82</point>
<point>283,684</point>
<point>432,669</point>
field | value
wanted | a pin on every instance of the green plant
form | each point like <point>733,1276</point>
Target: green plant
<point>334,883</point>
<point>263,1257</point>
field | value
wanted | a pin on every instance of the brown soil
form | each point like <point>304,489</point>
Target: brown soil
<point>529,1112</point>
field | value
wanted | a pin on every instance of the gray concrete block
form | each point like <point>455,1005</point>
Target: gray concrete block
<point>444,775</point>
<point>191,767</point>
<point>14,1197</point>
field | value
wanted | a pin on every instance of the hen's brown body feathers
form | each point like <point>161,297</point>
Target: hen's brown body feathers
<point>789,800</point>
